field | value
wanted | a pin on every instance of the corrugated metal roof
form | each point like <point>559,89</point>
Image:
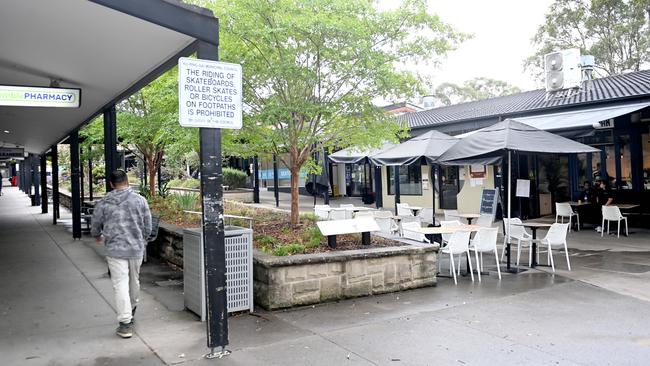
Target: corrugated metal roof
<point>605,90</point>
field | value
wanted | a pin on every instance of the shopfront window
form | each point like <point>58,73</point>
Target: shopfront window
<point>645,145</point>
<point>410,180</point>
<point>610,166</point>
<point>626,162</point>
<point>582,170</point>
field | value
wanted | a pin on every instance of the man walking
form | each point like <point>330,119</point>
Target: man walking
<point>124,220</point>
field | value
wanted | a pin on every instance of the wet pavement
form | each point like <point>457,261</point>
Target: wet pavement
<point>56,309</point>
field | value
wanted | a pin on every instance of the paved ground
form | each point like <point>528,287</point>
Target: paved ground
<point>56,309</point>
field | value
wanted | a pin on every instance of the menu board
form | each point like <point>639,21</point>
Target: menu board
<point>489,201</point>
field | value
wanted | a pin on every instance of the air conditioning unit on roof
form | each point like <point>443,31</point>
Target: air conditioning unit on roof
<point>562,70</point>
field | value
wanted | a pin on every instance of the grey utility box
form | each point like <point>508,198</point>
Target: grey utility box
<point>239,270</point>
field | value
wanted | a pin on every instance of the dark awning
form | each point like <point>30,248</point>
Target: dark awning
<point>107,48</point>
<point>353,155</point>
<point>429,146</point>
<point>488,145</point>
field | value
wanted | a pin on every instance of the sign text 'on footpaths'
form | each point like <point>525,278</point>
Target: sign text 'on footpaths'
<point>209,94</point>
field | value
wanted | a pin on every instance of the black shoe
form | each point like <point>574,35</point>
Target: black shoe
<point>125,330</point>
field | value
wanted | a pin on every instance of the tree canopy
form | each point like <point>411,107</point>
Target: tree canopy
<point>313,68</point>
<point>616,32</point>
<point>470,90</point>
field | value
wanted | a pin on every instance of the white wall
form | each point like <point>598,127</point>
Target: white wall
<point>423,200</point>
<point>469,197</point>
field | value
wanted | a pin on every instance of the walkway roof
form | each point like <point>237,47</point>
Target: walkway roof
<point>107,48</point>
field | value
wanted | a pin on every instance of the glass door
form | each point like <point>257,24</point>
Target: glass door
<point>360,179</point>
<point>449,187</point>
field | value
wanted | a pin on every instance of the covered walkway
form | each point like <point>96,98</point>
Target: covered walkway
<point>56,309</point>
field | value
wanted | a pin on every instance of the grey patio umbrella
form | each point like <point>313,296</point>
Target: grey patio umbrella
<point>353,155</point>
<point>488,146</point>
<point>429,146</point>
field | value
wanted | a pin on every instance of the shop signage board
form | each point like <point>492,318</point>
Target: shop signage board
<point>12,153</point>
<point>30,96</point>
<point>209,94</point>
<point>489,201</point>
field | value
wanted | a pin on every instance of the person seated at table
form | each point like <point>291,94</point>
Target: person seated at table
<point>588,194</point>
<point>604,196</point>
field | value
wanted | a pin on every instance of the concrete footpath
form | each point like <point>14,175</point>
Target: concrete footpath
<point>56,308</point>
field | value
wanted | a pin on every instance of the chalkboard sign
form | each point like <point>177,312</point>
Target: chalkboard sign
<point>489,201</point>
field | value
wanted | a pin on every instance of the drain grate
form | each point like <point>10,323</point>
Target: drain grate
<point>620,267</point>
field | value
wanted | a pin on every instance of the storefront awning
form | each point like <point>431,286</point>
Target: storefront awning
<point>576,118</point>
<point>580,118</point>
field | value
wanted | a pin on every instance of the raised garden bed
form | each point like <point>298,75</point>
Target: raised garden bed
<point>281,282</point>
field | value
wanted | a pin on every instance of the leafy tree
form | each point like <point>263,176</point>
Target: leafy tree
<point>148,124</point>
<point>474,89</point>
<point>312,69</point>
<point>616,32</point>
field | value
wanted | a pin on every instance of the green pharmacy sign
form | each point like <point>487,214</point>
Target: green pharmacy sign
<point>27,96</point>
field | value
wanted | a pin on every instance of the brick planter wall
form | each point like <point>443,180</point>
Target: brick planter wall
<point>281,282</point>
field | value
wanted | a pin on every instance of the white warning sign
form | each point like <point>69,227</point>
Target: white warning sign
<point>209,94</point>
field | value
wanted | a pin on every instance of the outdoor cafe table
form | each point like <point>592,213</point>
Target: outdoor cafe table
<point>469,217</point>
<point>414,209</point>
<point>533,226</point>
<point>430,231</point>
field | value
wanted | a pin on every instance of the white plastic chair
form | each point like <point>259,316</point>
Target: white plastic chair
<point>446,237</point>
<point>451,215</point>
<point>613,213</point>
<point>458,244</point>
<point>426,215</point>
<point>518,233</point>
<point>404,210</point>
<point>408,230</point>
<point>365,213</point>
<point>485,220</point>
<point>346,205</point>
<point>562,210</point>
<point>387,225</point>
<point>340,214</point>
<point>382,213</point>
<point>322,211</point>
<point>556,237</point>
<point>485,240</point>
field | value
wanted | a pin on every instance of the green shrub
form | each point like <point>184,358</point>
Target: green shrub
<point>191,183</point>
<point>309,217</point>
<point>234,178</point>
<point>291,249</point>
<point>175,183</point>
<point>187,201</point>
<point>311,237</point>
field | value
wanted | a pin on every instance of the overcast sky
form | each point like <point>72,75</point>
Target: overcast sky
<point>502,38</point>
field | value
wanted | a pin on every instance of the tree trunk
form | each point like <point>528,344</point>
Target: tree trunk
<point>295,214</point>
<point>152,168</point>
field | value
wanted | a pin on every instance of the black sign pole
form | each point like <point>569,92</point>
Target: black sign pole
<point>213,232</point>
<point>43,184</point>
<point>256,180</point>
<point>55,184</point>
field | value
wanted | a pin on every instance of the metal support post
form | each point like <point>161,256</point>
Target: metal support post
<point>44,184</point>
<point>379,195</point>
<point>28,175</point>
<point>213,228</point>
<point>90,173</point>
<point>397,192</point>
<point>327,165</point>
<point>36,181</point>
<point>256,180</point>
<point>276,181</point>
<point>74,180</point>
<point>111,160</point>
<point>55,184</point>
<point>81,177</point>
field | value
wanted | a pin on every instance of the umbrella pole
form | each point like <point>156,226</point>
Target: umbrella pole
<point>509,202</point>
<point>433,168</point>
<point>397,188</point>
